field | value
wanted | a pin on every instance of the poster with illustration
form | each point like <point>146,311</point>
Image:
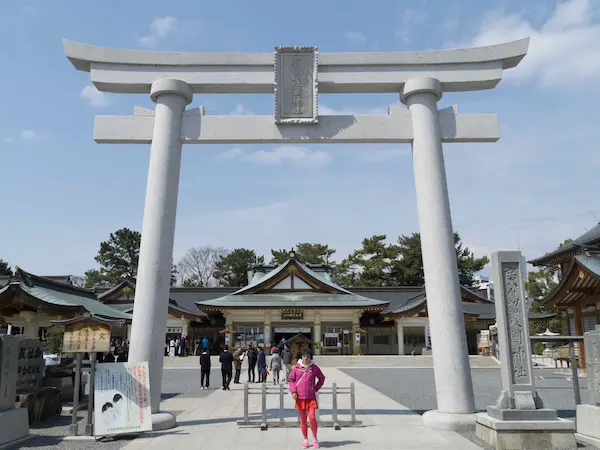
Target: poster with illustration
<point>122,399</point>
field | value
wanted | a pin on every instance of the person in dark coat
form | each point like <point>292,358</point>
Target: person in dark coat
<point>205,369</point>
<point>237,365</point>
<point>226,360</point>
<point>286,356</point>
<point>252,358</point>
<point>262,366</point>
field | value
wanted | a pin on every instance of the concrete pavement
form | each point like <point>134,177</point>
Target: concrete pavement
<point>210,424</point>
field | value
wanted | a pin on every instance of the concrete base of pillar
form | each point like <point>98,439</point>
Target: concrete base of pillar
<point>14,427</point>
<point>525,434</point>
<point>163,420</point>
<point>448,421</point>
<point>588,418</point>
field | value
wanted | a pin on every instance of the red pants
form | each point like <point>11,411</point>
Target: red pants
<point>303,422</point>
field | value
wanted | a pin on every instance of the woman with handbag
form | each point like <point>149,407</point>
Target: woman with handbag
<point>306,380</point>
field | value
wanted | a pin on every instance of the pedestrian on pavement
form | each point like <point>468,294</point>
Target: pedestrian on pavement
<point>204,343</point>
<point>172,348</point>
<point>275,366</point>
<point>226,360</point>
<point>262,366</point>
<point>237,365</point>
<point>306,380</point>
<point>286,357</point>
<point>252,359</point>
<point>205,369</point>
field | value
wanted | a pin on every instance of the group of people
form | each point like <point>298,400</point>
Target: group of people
<point>304,377</point>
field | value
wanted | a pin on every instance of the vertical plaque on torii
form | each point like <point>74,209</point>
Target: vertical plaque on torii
<point>296,85</point>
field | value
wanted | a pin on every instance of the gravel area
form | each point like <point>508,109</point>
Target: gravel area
<point>415,389</point>
<point>176,383</point>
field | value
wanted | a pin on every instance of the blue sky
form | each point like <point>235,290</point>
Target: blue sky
<point>64,193</point>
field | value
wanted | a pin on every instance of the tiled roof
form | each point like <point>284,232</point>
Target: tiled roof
<point>590,237</point>
<point>292,300</point>
<point>61,295</point>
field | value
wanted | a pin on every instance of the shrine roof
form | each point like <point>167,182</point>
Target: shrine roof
<point>580,280</point>
<point>59,295</point>
<point>563,254</point>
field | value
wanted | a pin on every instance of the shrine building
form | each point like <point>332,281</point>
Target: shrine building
<point>289,301</point>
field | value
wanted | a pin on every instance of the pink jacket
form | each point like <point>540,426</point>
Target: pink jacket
<point>306,388</point>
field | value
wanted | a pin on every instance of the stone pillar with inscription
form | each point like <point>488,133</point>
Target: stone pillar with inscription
<point>14,422</point>
<point>588,416</point>
<point>518,419</point>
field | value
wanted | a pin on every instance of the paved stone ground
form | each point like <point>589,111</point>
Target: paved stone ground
<point>177,384</point>
<point>415,389</point>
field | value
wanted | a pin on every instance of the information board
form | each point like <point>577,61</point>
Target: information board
<point>86,337</point>
<point>122,399</point>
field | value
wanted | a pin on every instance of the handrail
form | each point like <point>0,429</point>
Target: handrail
<point>264,423</point>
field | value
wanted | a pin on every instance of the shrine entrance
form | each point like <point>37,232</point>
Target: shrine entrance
<point>295,76</point>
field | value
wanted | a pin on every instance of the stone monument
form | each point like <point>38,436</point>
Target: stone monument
<point>14,422</point>
<point>588,416</point>
<point>518,419</point>
<point>297,75</point>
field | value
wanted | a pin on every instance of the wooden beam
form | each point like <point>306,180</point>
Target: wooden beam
<point>579,332</point>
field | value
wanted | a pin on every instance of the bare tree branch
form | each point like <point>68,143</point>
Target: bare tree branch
<point>197,266</point>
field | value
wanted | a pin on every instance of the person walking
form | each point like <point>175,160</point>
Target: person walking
<point>204,343</point>
<point>237,365</point>
<point>252,359</point>
<point>205,369</point>
<point>172,348</point>
<point>226,360</point>
<point>306,380</point>
<point>275,366</point>
<point>262,366</point>
<point>286,357</point>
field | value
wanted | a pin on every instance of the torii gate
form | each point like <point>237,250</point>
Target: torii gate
<point>295,75</point>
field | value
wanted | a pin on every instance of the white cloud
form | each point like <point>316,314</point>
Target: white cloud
<point>30,135</point>
<point>356,37</point>
<point>160,29</point>
<point>410,19</point>
<point>94,97</point>
<point>564,49</point>
<point>298,156</point>
<point>240,110</point>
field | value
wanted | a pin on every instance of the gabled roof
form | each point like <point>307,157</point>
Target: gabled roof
<point>581,279</point>
<point>562,254</point>
<point>316,292</point>
<point>56,295</point>
<point>421,298</point>
<point>304,272</point>
<point>116,291</point>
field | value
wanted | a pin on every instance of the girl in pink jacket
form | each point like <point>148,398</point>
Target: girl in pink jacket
<point>305,381</point>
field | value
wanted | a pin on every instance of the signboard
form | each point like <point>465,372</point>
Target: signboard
<point>332,335</point>
<point>292,330</point>
<point>357,337</point>
<point>9,352</point>
<point>174,330</point>
<point>86,337</point>
<point>30,365</point>
<point>296,85</point>
<point>292,315</point>
<point>427,337</point>
<point>122,399</point>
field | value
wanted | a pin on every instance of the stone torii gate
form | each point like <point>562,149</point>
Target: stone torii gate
<point>295,75</point>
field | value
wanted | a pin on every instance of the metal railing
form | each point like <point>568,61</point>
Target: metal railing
<point>571,340</point>
<point>282,390</point>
